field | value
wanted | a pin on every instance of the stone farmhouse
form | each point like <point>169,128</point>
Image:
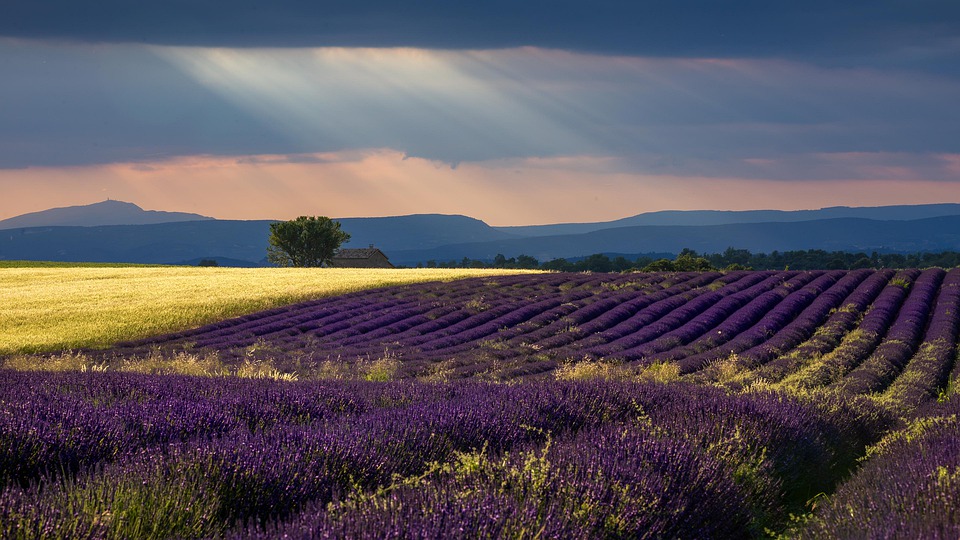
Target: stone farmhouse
<point>370,257</point>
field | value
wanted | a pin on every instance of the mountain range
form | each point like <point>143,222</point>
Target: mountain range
<point>115,231</point>
<point>108,212</point>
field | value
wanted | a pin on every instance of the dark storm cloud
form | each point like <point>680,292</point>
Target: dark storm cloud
<point>99,104</point>
<point>913,31</point>
<point>86,104</point>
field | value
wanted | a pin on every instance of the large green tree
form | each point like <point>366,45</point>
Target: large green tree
<point>305,241</point>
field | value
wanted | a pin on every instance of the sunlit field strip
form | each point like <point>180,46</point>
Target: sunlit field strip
<point>46,309</point>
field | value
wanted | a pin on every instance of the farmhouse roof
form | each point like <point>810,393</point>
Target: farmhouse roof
<point>370,257</point>
<point>358,253</point>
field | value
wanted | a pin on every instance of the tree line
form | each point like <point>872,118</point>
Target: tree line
<point>731,259</point>
<point>313,241</point>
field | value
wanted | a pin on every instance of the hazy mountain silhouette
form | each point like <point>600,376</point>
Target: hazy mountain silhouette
<point>102,213</point>
<point>231,243</point>
<point>842,234</point>
<point>418,231</point>
<point>410,240</point>
<point>728,217</point>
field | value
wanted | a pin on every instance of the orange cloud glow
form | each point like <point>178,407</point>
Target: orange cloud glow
<point>385,182</point>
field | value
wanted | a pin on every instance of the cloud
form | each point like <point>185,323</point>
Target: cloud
<point>385,182</point>
<point>775,119</point>
<point>63,105</point>
<point>825,30</point>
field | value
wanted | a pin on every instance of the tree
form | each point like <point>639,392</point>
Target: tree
<point>526,261</point>
<point>690,262</point>
<point>660,265</point>
<point>305,241</point>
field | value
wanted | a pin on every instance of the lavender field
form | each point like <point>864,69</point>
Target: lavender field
<point>671,405</point>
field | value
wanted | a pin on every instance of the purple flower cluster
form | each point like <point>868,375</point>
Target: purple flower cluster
<point>671,313</point>
<point>613,481</point>
<point>902,338</point>
<point>910,490</point>
<point>593,459</point>
<point>728,317</point>
<point>856,330</point>
<point>929,369</point>
<point>826,335</point>
<point>115,455</point>
<point>813,305</point>
<point>856,346</point>
<point>788,304</point>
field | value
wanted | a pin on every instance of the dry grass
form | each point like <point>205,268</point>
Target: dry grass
<point>587,369</point>
<point>47,309</point>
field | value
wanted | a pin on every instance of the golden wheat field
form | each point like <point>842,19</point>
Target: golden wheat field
<point>55,308</point>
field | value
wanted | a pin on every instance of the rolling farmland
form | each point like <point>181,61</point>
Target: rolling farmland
<point>56,306</point>
<point>709,405</point>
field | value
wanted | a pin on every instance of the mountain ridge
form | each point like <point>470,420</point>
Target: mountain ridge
<point>837,234</point>
<point>108,212</point>
<point>122,211</point>
<point>728,217</point>
<point>177,243</point>
<point>419,238</point>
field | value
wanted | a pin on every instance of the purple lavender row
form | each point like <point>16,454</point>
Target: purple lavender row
<point>909,490</point>
<point>372,310</point>
<point>270,472</point>
<point>615,323</point>
<point>517,341</point>
<point>589,311</point>
<point>652,488</point>
<point>310,309</point>
<point>501,313</point>
<point>807,322</point>
<point>878,370</point>
<point>527,316</point>
<point>829,335</point>
<point>928,371</point>
<point>66,421</point>
<point>381,330</point>
<point>678,336</point>
<point>241,333</point>
<point>399,330</point>
<point>274,469</point>
<point>663,316</point>
<point>858,344</point>
<point>643,311</point>
<point>673,475</point>
<point>349,320</point>
<point>489,323</point>
<point>768,326</point>
<point>453,339</point>
<point>549,323</point>
<point>317,310</point>
<point>603,317</point>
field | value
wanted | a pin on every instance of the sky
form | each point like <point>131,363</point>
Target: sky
<point>514,112</point>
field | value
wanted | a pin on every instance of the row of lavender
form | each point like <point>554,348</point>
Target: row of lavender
<point>909,487</point>
<point>856,331</point>
<point>93,455</point>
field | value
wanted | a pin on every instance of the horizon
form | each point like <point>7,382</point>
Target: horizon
<point>167,210</point>
<point>510,113</point>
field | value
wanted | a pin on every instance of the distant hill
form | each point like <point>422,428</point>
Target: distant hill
<point>419,231</point>
<point>102,213</point>
<point>231,243</point>
<point>410,240</point>
<point>843,234</point>
<point>162,243</point>
<point>728,217</point>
